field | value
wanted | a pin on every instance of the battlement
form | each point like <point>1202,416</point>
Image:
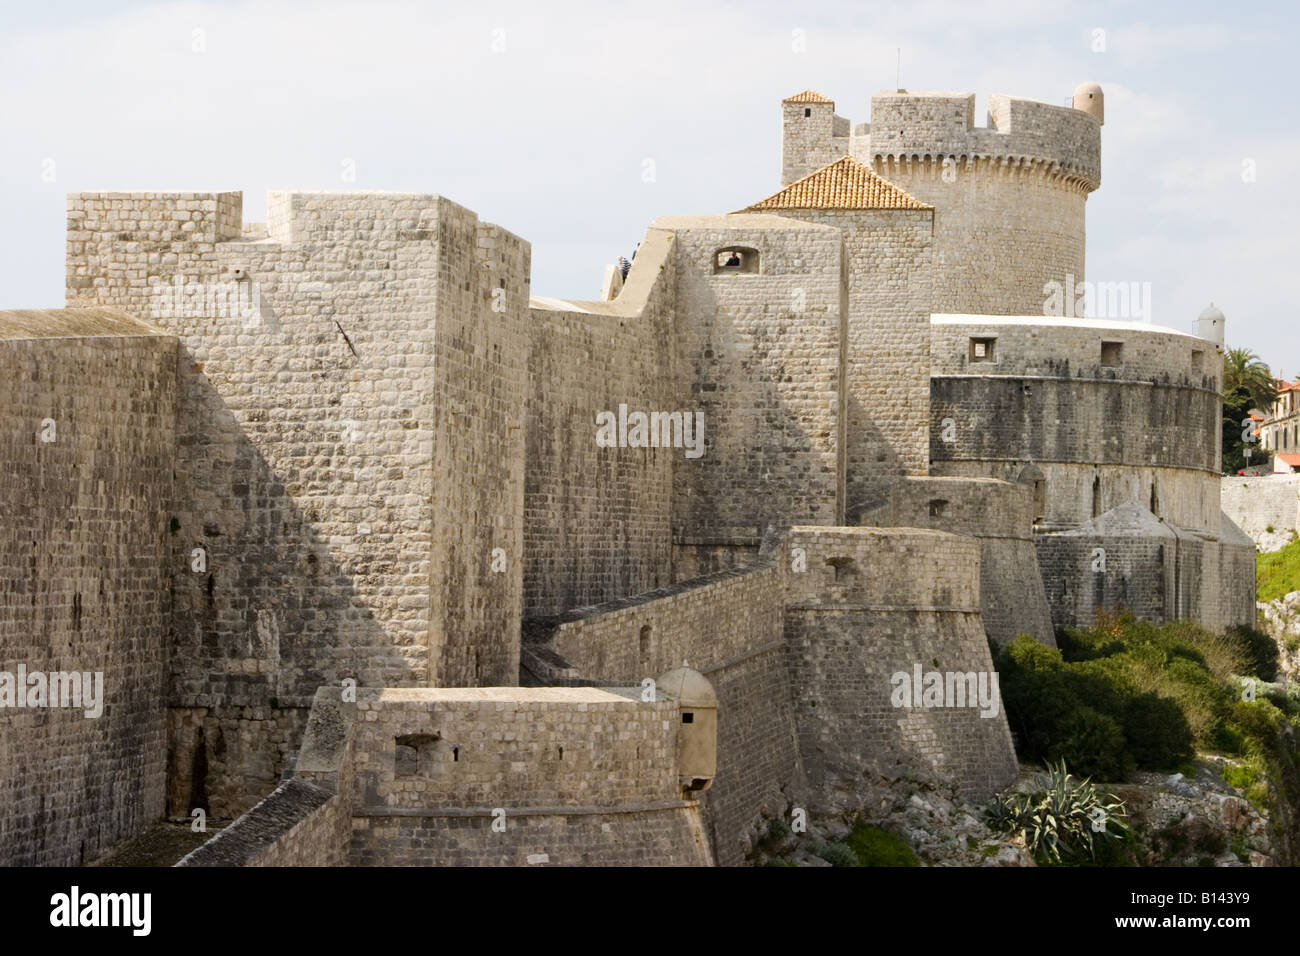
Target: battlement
<point>928,127</point>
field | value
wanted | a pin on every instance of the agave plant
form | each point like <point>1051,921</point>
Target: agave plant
<point>1061,821</point>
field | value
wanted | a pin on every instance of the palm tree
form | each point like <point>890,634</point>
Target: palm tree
<point>1244,373</point>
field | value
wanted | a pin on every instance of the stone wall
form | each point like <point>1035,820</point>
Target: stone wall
<point>84,574</point>
<point>577,775</point>
<point>1236,574</point>
<point>1257,503</point>
<point>597,519</point>
<point>886,349</point>
<point>1146,429</point>
<point>727,626</point>
<point>351,444</point>
<point>760,358</point>
<point>873,603</point>
<point>1000,516</point>
<point>1121,561</point>
<point>307,820</point>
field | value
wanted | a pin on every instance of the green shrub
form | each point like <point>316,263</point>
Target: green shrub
<point>836,854</point>
<point>1156,732</point>
<point>1259,650</point>
<point>1065,822</point>
<point>876,847</point>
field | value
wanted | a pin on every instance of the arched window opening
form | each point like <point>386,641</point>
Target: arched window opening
<point>1033,476</point>
<point>644,645</point>
<point>735,260</point>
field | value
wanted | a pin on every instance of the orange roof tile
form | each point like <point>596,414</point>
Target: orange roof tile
<point>808,96</point>
<point>844,184</point>
<point>1292,460</point>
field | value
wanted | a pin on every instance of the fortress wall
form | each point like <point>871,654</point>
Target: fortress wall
<point>1256,503</point>
<point>299,824</point>
<point>480,374</point>
<point>888,266</point>
<point>307,820</point>
<point>1000,232</point>
<point>585,776</point>
<point>1237,575</point>
<point>760,358</point>
<point>84,573</point>
<point>311,429</point>
<point>1000,516</point>
<point>728,627</point>
<point>598,520</point>
<point>1036,345</point>
<point>1184,496</point>
<point>1139,576</point>
<point>1123,427</point>
<point>873,603</point>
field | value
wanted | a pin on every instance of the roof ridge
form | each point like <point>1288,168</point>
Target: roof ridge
<point>808,96</point>
<point>845,183</point>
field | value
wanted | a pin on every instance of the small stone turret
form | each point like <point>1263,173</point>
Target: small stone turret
<point>697,729</point>
<point>1089,98</point>
<point>1209,325</point>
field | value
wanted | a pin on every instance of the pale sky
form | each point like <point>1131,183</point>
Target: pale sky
<point>543,121</point>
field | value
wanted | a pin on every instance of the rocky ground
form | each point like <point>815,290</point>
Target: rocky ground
<point>1281,619</point>
<point>1176,820</point>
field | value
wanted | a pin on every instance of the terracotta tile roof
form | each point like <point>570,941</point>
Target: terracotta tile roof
<point>1292,460</point>
<point>844,184</point>
<point>808,96</point>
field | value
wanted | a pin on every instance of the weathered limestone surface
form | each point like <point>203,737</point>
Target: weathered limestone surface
<point>84,574</point>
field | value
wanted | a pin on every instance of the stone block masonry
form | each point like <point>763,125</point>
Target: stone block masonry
<point>1260,502</point>
<point>727,625</point>
<point>598,520</point>
<point>872,603</point>
<point>350,453</point>
<point>86,441</point>
<point>760,356</point>
<point>477,776</point>
<point>1000,515</point>
<point>351,447</point>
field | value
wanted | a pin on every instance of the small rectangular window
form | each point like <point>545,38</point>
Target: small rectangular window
<point>1111,353</point>
<point>1198,360</point>
<point>982,350</point>
<point>807,111</point>
<point>688,718</point>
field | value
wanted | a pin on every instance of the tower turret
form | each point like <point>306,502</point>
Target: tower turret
<point>1209,325</point>
<point>811,135</point>
<point>1088,97</point>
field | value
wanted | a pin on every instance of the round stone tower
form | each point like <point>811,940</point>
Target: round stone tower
<point>1009,197</point>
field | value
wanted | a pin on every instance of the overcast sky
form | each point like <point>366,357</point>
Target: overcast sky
<point>543,122</point>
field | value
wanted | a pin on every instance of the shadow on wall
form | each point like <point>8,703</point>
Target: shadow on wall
<point>767,474</point>
<point>271,616</point>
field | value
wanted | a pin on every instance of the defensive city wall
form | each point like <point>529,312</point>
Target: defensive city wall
<point>370,544</point>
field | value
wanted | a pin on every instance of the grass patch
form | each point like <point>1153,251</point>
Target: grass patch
<point>876,847</point>
<point>1278,574</point>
